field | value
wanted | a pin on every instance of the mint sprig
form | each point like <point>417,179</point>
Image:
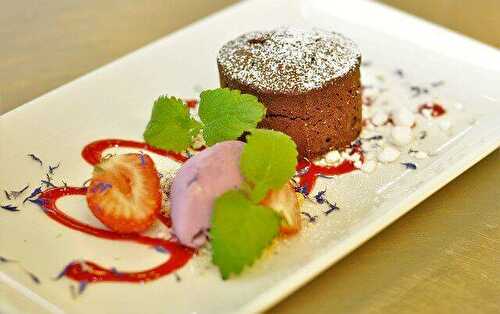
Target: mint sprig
<point>268,161</point>
<point>171,127</point>
<point>226,114</point>
<point>240,232</point>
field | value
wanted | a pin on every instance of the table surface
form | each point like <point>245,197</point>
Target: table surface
<point>442,257</point>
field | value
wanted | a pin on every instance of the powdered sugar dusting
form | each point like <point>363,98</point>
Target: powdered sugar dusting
<point>288,60</point>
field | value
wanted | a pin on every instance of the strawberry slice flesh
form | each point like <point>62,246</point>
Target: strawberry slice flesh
<point>285,202</point>
<point>124,193</point>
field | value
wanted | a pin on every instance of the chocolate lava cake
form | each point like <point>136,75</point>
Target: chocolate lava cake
<point>309,81</point>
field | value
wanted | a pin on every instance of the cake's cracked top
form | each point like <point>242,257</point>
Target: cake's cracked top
<point>288,60</point>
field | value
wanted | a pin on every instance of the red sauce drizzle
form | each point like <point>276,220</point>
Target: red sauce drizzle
<point>308,180</point>
<point>92,153</point>
<point>91,272</point>
<point>309,172</point>
<point>437,109</point>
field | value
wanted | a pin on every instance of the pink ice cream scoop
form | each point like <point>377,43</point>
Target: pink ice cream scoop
<point>197,184</point>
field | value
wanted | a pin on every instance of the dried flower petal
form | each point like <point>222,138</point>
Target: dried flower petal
<point>10,208</point>
<point>302,190</point>
<point>35,158</point>
<point>65,269</point>
<point>15,194</point>
<point>52,168</point>
<point>416,91</point>
<point>409,165</point>
<point>33,277</point>
<point>177,277</point>
<point>82,285</point>
<point>331,208</point>
<point>437,83</point>
<point>47,184</point>
<point>141,157</point>
<point>40,202</point>
<point>35,192</point>
<point>320,197</point>
<point>160,249</point>
<point>311,218</point>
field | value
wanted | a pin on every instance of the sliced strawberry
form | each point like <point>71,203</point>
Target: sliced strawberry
<point>284,201</point>
<point>124,193</point>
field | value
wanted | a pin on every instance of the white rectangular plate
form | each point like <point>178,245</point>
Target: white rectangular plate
<point>115,102</point>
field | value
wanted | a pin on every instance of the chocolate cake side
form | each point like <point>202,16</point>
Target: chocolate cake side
<point>319,114</point>
<point>318,121</point>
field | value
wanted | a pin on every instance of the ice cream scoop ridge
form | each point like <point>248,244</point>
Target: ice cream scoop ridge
<point>202,179</point>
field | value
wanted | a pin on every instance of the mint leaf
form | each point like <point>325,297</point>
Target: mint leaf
<point>171,127</point>
<point>268,161</point>
<point>226,114</point>
<point>240,232</point>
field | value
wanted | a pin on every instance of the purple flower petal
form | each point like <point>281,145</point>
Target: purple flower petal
<point>10,208</point>
<point>35,158</point>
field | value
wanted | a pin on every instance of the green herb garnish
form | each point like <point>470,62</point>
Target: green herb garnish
<point>226,114</point>
<point>241,228</point>
<point>240,231</point>
<point>268,161</point>
<point>171,127</point>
